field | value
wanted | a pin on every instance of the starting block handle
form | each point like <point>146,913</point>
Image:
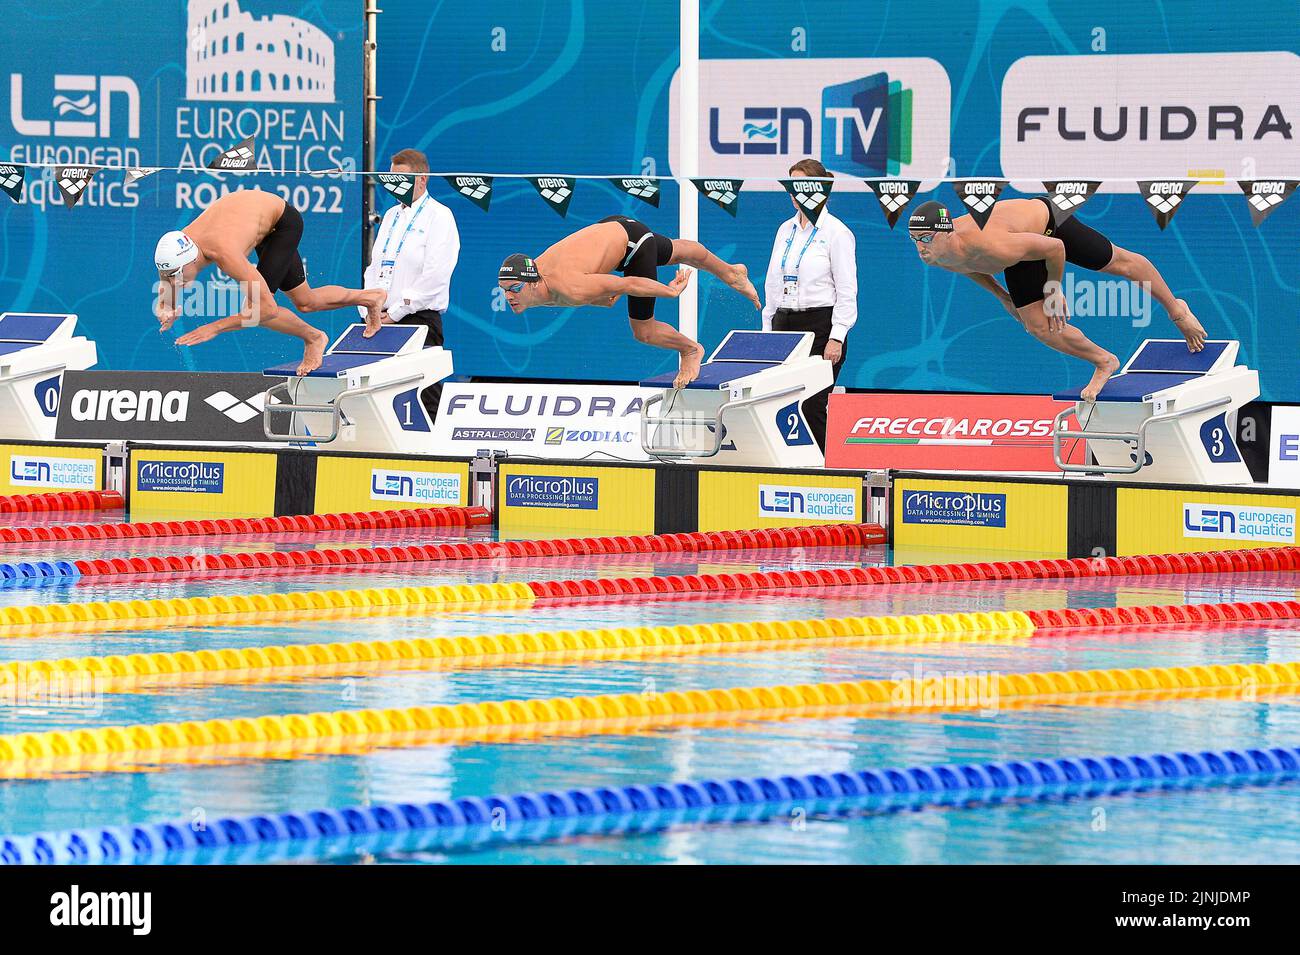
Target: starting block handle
<point>669,452</point>
<point>1136,438</point>
<point>334,409</point>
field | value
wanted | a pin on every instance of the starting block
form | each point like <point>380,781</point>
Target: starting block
<point>35,351</point>
<point>1169,416</point>
<point>365,396</point>
<point>745,407</point>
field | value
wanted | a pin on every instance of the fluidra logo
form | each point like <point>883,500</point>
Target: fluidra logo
<point>90,404</point>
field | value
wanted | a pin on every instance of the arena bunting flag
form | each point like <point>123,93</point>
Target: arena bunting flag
<point>1164,196</point>
<point>241,157</point>
<point>810,195</point>
<point>556,190</point>
<point>647,190</point>
<point>399,185</point>
<point>136,173</point>
<point>894,195</point>
<point>11,180</point>
<point>1262,195</point>
<point>73,182</point>
<point>477,189</point>
<point>978,197</point>
<point>724,192</point>
<point>1067,196</point>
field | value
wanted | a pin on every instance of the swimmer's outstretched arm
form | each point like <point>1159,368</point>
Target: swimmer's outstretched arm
<point>990,284</point>
<point>603,289</point>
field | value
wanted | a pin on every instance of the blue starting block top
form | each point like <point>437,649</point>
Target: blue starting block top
<point>713,374</point>
<point>1174,356</point>
<point>774,347</point>
<point>20,331</point>
<point>1133,386</point>
<point>352,351</point>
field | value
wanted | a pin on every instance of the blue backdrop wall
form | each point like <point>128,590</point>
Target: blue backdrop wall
<point>570,86</point>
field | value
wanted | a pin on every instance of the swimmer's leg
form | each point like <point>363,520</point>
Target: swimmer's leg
<point>688,252</point>
<point>308,299</point>
<point>1138,268</point>
<point>651,331</point>
<point>276,319</point>
<point>1070,341</point>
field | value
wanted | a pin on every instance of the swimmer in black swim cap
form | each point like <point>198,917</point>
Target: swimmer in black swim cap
<point>575,271</point>
<point>1022,240</point>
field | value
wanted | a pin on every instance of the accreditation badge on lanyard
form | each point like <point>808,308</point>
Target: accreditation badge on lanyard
<point>386,265</point>
<point>790,280</point>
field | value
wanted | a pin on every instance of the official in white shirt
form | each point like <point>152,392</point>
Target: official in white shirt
<point>812,286</point>
<point>414,254</point>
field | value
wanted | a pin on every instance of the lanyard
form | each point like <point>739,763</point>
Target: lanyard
<point>790,241</point>
<point>415,212</point>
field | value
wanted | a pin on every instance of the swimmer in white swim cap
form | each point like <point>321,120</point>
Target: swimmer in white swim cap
<point>223,235</point>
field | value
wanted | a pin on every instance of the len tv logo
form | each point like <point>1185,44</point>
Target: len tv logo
<point>867,126</point>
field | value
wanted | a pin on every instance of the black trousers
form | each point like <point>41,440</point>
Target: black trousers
<point>817,321</point>
<point>431,320</point>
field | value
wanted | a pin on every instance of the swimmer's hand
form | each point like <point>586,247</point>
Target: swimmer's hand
<point>167,317</point>
<point>1054,307</point>
<point>204,333</point>
<point>680,281</point>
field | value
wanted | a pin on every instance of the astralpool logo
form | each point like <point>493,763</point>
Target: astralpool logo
<point>1245,523</point>
<point>945,507</point>
<point>822,503</point>
<point>862,117</point>
<point>190,477</point>
<point>553,491</point>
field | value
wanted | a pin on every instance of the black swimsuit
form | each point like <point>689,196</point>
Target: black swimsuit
<point>277,254</point>
<point>1084,246</point>
<point>646,251</point>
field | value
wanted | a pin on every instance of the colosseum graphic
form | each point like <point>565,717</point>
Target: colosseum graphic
<point>234,55</point>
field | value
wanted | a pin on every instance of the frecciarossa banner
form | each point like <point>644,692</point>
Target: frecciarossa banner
<point>945,432</point>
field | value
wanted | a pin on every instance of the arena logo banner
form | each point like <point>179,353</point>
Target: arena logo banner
<point>1165,196</point>
<point>978,197</point>
<point>945,432</point>
<point>11,181</point>
<point>1179,113</point>
<point>809,194</point>
<point>556,190</point>
<point>562,422</point>
<point>647,190</point>
<point>866,118</point>
<point>1262,195</point>
<point>161,406</point>
<point>1067,196</point>
<point>399,185</point>
<point>477,189</point>
<point>894,195</point>
<point>724,193</point>
<point>73,181</point>
<point>241,157</point>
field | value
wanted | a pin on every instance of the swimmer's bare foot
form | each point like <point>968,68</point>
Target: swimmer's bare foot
<point>740,282</point>
<point>313,353</point>
<point>374,299</point>
<point>204,333</point>
<point>1104,371</point>
<point>689,368</point>
<point>1187,325</point>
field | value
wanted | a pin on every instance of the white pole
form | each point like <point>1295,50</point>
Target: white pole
<point>688,159</point>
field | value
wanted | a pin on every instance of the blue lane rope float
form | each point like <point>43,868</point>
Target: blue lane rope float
<point>538,816</point>
<point>38,573</point>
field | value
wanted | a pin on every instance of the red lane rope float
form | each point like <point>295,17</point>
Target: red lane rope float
<point>1238,561</point>
<point>60,501</point>
<point>417,517</point>
<point>843,535</point>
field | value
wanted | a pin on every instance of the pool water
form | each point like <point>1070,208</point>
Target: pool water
<point>1233,824</point>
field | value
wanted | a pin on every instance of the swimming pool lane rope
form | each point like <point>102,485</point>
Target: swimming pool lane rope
<point>115,748</point>
<point>277,607</point>
<point>142,671</point>
<point>632,809</point>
